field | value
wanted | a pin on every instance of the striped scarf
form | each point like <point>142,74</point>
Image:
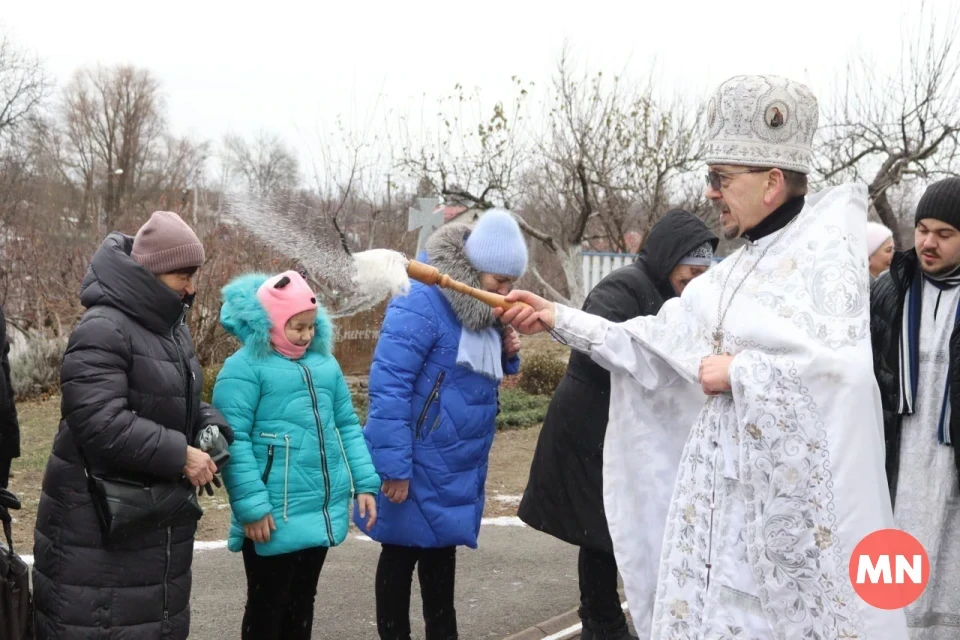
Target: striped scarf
<point>910,348</point>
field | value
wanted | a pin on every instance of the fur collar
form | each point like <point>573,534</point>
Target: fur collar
<point>244,317</point>
<point>445,251</point>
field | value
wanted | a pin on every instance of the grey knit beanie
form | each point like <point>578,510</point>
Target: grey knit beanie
<point>941,201</point>
<point>166,243</point>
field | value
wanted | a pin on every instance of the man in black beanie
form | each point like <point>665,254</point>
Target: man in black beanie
<point>916,345</point>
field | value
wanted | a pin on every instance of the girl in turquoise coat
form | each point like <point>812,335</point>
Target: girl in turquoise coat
<point>298,458</point>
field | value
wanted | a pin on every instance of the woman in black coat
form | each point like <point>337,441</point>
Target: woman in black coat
<point>131,388</point>
<point>564,495</point>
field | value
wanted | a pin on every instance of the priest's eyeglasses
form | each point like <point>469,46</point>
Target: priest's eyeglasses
<point>714,177</point>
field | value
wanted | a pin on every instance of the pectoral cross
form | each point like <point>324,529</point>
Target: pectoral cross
<point>718,341</point>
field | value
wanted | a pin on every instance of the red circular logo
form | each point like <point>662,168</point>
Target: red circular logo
<point>889,569</point>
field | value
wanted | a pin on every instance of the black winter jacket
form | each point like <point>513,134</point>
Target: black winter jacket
<point>9,425</point>
<point>131,388</point>
<point>564,494</point>
<point>887,294</point>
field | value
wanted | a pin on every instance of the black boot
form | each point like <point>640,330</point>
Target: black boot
<point>590,632</point>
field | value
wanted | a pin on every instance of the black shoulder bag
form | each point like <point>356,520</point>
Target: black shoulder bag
<point>129,504</point>
<point>16,603</point>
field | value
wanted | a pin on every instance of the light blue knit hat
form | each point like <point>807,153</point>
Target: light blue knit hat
<point>496,245</point>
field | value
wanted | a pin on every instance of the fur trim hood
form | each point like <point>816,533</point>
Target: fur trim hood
<point>244,317</point>
<point>445,250</point>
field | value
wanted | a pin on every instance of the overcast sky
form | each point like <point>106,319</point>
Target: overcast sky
<point>292,67</point>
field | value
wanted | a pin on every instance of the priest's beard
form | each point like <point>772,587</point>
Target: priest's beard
<point>731,228</point>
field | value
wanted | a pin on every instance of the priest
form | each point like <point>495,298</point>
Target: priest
<point>744,454</point>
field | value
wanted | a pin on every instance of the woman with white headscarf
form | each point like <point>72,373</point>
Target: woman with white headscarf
<point>879,248</point>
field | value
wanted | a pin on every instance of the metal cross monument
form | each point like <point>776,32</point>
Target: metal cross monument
<point>426,218</point>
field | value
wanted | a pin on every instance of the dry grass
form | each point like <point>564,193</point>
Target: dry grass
<point>510,460</point>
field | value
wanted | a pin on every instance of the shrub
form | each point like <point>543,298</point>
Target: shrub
<point>361,403</point>
<point>36,370</point>
<point>519,409</point>
<point>540,373</point>
<point>209,379</point>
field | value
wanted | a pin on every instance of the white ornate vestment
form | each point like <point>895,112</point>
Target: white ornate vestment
<point>735,517</point>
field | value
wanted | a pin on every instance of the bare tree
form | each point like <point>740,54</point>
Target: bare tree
<point>265,163</point>
<point>472,157</point>
<point>176,171</point>
<point>23,84</point>
<point>888,129</point>
<point>607,165</point>
<point>114,120</point>
<point>605,161</point>
<point>352,179</point>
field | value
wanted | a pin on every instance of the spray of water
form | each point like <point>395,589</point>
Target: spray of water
<point>363,279</point>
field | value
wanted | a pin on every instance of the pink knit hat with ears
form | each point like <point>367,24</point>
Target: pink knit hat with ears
<point>283,297</point>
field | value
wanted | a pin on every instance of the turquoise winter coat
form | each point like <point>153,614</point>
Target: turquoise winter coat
<point>298,452</point>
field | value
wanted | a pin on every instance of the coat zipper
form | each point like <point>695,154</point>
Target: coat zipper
<point>166,575</point>
<point>426,407</point>
<point>353,492</point>
<point>188,431</point>
<point>286,475</point>
<point>187,378</point>
<point>323,452</point>
<point>266,470</point>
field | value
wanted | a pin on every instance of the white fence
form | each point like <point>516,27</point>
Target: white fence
<point>597,265</point>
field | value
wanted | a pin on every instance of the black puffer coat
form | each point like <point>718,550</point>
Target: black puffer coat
<point>131,388</point>
<point>564,495</point>
<point>9,425</point>
<point>886,317</point>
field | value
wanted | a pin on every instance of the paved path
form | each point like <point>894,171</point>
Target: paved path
<point>516,579</point>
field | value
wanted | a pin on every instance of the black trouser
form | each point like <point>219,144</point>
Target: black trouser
<point>280,593</point>
<point>436,569</point>
<point>4,471</point>
<point>600,607</point>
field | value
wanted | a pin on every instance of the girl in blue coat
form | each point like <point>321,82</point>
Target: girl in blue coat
<point>298,458</point>
<point>433,406</point>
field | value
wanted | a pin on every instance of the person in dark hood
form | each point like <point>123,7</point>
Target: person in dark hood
<point>564,494</point>
<point>131,387</point>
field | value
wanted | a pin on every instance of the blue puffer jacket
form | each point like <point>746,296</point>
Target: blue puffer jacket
<point>298,451</point>
<point>431,420</point>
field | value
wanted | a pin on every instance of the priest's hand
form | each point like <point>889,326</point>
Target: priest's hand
<point>715,374</point>
<point>533,316</point>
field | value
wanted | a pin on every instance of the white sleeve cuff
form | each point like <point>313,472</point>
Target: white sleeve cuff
<point>580,330</point>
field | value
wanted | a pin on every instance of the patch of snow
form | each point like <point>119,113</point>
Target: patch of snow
<point>504,521</point>
<point>198,547</point>
<point>208,545</point>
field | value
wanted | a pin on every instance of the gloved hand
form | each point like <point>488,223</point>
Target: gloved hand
<point>214,444</point>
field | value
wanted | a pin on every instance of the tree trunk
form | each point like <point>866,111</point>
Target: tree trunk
<point>884,209</point>
<point>572,264</point>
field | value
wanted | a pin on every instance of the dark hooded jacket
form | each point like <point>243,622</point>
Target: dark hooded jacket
<point>564,494</point>
<point>9,425</point>
<point>131,388</point>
